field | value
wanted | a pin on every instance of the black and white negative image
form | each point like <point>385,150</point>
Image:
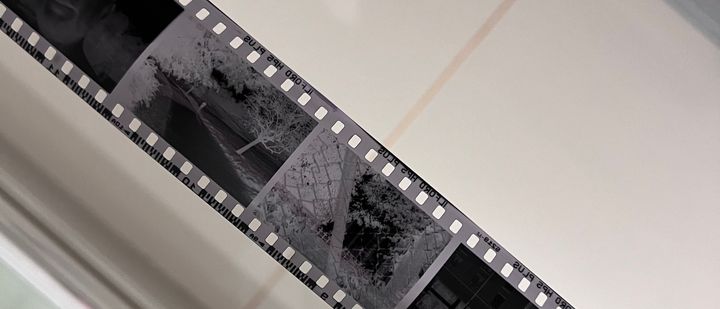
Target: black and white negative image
<point>101,37</point>
<point>207,102</point>
<point>351,223</point>
<point>466,282</point>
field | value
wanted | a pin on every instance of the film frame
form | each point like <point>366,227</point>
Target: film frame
<point>463,231</point>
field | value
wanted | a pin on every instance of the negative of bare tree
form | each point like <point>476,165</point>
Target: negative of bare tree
<point>202,62</point>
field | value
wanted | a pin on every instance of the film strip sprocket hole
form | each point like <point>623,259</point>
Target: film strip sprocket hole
<point>360,160</point>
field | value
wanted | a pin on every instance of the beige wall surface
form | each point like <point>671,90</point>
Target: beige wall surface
<point>583,135</point>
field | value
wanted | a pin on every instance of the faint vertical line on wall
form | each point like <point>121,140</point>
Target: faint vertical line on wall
<point>264,290</point>
<point>449,71</point>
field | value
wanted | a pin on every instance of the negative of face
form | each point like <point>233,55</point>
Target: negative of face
<point>65,22</point>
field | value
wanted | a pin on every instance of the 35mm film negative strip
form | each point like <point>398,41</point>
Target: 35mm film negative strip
<point>269,153</point>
